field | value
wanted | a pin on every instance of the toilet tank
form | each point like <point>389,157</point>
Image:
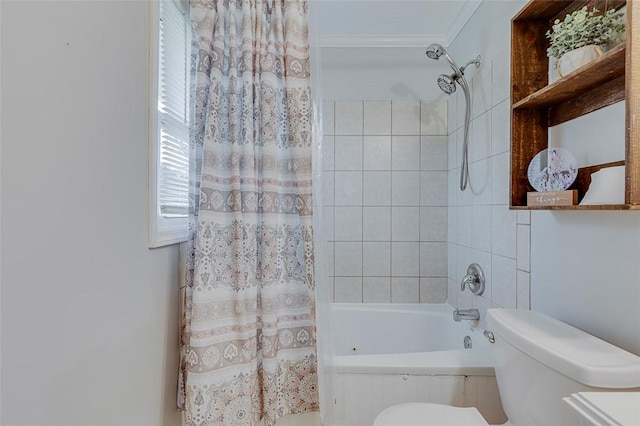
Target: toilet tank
<point>539,360</point>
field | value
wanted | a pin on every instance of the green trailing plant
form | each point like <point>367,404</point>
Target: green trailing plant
<point>584,27</point>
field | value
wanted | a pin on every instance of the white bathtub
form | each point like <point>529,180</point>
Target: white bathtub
<point>388,354</point>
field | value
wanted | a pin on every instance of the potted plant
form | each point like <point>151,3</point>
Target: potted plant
<point>579,38</point>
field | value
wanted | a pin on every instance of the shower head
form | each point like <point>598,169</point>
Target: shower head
<point>447,83</point>
<point>435,51</point>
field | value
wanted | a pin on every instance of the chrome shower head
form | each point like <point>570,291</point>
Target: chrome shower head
<point>447,83</point>
<point>434,51</point>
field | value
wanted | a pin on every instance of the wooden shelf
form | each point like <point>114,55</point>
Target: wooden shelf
<point>538,105</point>
<point>603,70</point>
<point>593,207</point>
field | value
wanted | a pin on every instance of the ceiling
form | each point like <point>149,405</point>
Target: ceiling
<point>391,23</point>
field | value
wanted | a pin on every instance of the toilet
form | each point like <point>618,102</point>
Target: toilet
<point>538,361</point>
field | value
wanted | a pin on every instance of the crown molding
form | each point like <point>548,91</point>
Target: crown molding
<point>378,40</point>
<point>403,40</point>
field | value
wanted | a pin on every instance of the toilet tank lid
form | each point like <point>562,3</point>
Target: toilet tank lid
<point>572,352</point>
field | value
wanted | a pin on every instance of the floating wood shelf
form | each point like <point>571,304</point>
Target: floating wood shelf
<point>578,207</point>
<point>603,70</point>
<point>538,105</point>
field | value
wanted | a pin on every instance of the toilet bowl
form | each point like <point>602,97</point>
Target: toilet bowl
<point>538,362</point>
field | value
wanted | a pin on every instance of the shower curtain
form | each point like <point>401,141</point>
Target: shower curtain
<point>248,325</point>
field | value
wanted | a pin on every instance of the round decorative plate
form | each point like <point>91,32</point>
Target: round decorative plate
<point>552,169</point>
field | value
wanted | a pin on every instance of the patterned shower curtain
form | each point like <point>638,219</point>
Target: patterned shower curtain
<point>248,326</point>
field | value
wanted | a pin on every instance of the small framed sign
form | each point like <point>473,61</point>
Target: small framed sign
<point>552,198</point>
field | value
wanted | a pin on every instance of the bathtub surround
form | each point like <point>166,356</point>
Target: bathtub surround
<point>249,337</point>
<point>477,224</point>
<point>385,166</point>
<point>482,229</point>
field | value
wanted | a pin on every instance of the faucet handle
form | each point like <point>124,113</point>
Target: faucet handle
<point>489,335</point>
<point>474,279</point>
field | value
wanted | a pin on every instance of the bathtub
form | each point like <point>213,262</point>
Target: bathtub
<point>387,354</point>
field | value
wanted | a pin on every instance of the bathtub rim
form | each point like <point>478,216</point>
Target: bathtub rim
<point>458,362</point>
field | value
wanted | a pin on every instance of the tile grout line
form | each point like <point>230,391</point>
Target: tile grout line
<point>334,200</point>
<point>419,201</point>
<point>391,204</point>
<point>362,203</point>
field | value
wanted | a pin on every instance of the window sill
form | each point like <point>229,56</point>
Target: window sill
<point>164,232</point>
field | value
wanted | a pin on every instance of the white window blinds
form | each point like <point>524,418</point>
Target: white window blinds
<point>173,112</point>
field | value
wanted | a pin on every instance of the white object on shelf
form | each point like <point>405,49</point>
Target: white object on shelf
<point>607,187</point>
<point>577,58</point>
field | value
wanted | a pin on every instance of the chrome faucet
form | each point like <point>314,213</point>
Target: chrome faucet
<point>466,314</point>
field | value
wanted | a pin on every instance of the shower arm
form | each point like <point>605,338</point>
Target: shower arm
<point>475,62</point>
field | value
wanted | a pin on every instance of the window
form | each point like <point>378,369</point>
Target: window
<point>169,145</point>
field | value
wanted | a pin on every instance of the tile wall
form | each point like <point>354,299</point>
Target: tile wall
<point>482,229</point>
<point>385,196</point>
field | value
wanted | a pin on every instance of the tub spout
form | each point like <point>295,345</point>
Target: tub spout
<point>466,314</point>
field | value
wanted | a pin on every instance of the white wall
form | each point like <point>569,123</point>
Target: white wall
<point>585,271</point>
<point>374,74</point>
<point>0,219</point>
<point>591,144</point>
<point>89,314</point>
